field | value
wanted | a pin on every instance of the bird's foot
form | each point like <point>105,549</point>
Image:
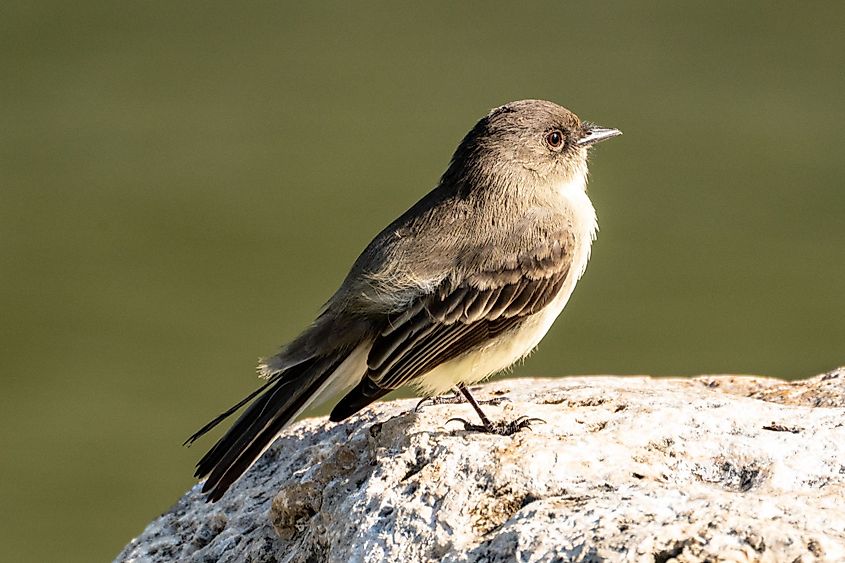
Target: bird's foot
<point>455,399</point>
<point>500,427</point>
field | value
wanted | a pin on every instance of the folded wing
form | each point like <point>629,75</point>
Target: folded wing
<point>456,318</point>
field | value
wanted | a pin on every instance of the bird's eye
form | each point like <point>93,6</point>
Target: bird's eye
<point>554,139</point>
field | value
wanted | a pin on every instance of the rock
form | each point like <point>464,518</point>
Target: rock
<point>715,468</point>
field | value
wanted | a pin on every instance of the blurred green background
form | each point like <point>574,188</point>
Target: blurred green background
<point>183,185</point>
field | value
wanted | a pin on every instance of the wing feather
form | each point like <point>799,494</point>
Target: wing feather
<point>459,316</point>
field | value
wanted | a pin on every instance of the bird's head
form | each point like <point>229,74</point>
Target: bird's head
<point>526,143</point>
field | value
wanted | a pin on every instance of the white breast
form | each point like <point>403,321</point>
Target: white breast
<point>502,353</point>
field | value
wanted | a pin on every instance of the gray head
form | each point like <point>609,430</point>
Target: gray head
<point>531,141</point>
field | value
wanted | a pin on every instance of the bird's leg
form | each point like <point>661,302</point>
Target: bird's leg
<point>485,422</point>
<point>501,428</point>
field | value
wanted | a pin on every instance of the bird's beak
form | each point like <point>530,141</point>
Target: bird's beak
<point>592,134</point>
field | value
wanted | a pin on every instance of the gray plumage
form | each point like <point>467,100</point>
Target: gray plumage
<point>469,278</point>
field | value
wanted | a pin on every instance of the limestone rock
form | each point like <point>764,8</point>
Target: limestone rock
<point>715,468</point>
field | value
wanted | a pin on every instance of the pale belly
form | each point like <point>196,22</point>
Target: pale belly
<point>498,355</point>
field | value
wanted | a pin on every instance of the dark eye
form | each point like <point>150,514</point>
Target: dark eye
<point>554,139</point>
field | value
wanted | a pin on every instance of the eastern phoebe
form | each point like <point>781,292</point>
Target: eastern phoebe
<point>461,286</point>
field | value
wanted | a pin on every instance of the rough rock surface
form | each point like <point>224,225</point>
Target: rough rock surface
<point>715,468</point>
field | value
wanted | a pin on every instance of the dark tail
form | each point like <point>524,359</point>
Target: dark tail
<point>279,400</point>
<point>366,392</point>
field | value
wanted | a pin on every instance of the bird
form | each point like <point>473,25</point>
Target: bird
<point>462,285</point>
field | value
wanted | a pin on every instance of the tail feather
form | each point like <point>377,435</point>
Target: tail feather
<point>366,392</point>
<point>222,479</point>
<point>223,416</point>
<point>278,402</point>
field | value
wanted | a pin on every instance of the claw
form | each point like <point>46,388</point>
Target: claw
<point>528,421</point>
<point>500,428</point>
<point>439,400</point>
<point>462,421</point>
